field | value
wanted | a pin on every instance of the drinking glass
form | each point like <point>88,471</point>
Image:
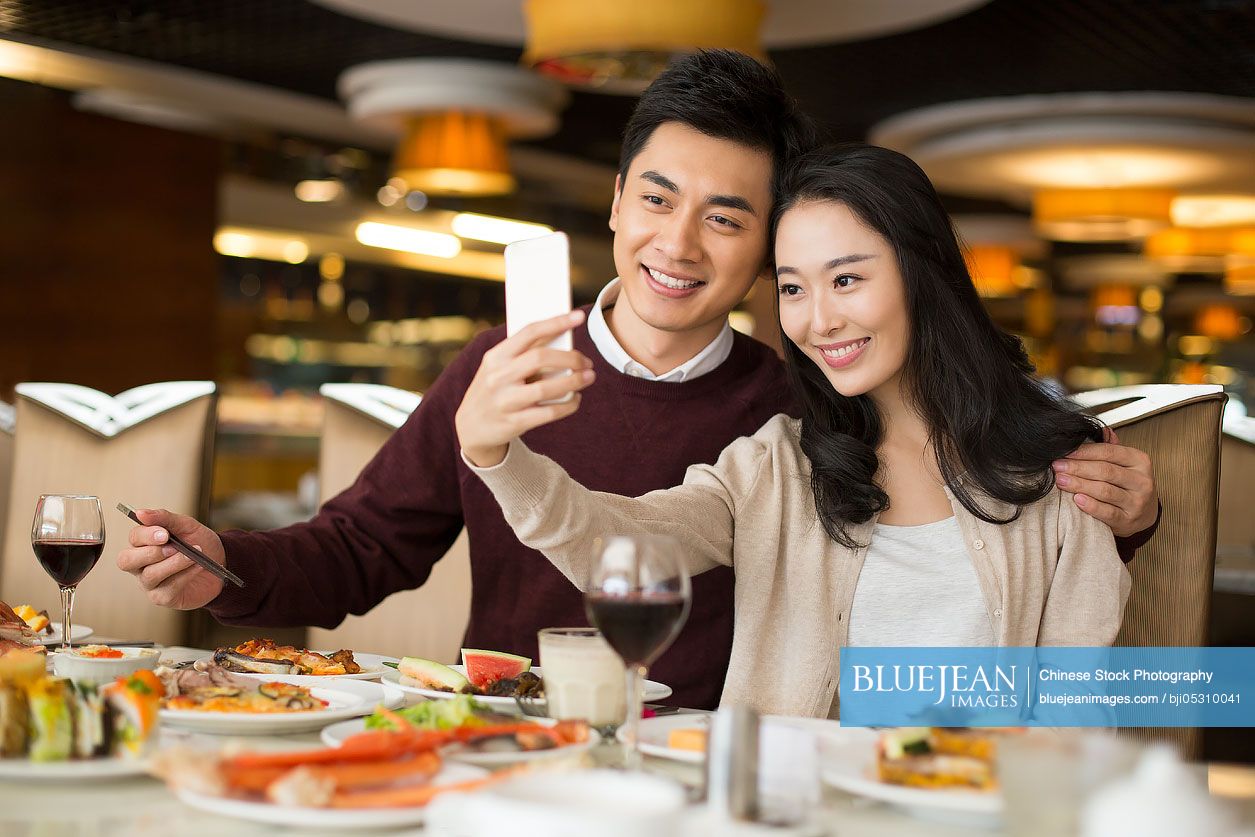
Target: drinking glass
<point>583,677</point>
<point>68,535</point>
<point>639,598</point>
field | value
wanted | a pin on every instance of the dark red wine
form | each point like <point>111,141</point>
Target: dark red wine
<point>68,561</point>
<point>638,626</point>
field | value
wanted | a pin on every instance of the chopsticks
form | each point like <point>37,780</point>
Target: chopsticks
<point>195,554</point>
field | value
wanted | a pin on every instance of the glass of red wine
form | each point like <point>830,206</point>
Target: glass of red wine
<point>68,535</point>
<point>638,599</point>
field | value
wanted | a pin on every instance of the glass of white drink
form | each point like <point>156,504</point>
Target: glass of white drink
<point>583,677</point>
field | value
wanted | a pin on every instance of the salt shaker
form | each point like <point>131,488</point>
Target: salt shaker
<point>732,763</point>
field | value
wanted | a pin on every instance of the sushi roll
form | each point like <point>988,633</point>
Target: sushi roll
<point>14,720</point>
<point>135,701</point>
<point>93,722</point>
<point>52,724</point>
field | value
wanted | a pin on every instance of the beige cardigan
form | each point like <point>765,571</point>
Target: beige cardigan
<point>1052,577</point>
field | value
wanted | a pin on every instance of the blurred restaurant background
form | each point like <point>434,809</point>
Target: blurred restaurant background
<point>275,196</point>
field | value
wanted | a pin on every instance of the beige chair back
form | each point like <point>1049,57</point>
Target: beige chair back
<point>1178,426</point>
<point>428,622</point>
<point>1235,534</point>
<point>8,422</point>
<point>149,446</point>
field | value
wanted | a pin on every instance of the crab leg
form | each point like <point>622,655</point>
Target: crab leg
<point>373,745</point>
<point>406,797</point>
<point>349,776</point>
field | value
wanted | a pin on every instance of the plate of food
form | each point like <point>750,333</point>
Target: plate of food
<point>682,736</point>
<point>266,658</point>
<point>679,737</point>
<point>376,779</point>
<point>215,700</point>
<point>48,631</point>
<point>55,728</point>
<point>494,678</point>
<point>484,737</point>
<point>935,773</point>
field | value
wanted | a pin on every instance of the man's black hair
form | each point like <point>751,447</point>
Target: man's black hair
<point>726,95</point>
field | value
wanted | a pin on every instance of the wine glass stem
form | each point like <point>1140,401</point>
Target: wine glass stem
<point>632,723</point>
<point>67,612</point>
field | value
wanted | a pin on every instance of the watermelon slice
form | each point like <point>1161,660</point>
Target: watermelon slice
<point>483,668</point>
<point>431,674</point>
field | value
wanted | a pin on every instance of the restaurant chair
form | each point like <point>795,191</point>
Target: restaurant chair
<point>147,447</point>
<point>1178,426</point>
<point>428,622</point>
<point>1235,534</point>
<point>8,422</point>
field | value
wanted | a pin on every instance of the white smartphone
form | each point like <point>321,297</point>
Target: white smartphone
<point>538,287</point>
<point>538,283</point>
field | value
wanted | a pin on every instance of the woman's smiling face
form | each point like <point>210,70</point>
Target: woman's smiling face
<point>842,297</point>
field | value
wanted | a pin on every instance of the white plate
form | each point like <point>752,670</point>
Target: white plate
<point>346,698</point>
<point>70,771</point>
<point>847,761</point>
<point>372,668</point>
<point>334,736</point>
<point>327,818</point>
<point>655,733</point>
<point>77,634</point>
<point>654,691</point>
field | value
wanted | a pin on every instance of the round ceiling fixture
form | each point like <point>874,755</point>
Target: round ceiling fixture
<point>1116,214</point>
<point>621,47</point>
<point>1012,147</point>
<point>788,23</point>
<point>454,118</point>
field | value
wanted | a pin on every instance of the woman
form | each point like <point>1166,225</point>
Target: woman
<point>912,504</point>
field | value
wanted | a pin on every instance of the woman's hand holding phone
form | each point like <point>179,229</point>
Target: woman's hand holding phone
<point>509,396</point>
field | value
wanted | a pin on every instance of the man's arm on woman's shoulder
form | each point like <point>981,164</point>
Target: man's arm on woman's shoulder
<point>1113,483</point>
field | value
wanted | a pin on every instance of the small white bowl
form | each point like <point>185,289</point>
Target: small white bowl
<point>102,669</point>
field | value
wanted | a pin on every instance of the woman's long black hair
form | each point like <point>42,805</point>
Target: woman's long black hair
<point>990,419</point>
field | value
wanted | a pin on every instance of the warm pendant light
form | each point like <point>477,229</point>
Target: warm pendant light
<point>1202,249</point>
<point>992,268</point>
<point>454,153</point>
<point>1101,214</point>
<point>622,47</point>
<point>455,116</point>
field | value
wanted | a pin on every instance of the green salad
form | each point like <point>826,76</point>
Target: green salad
<point>433,714</point>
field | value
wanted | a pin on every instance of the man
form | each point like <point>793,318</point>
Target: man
<point>673,386</point>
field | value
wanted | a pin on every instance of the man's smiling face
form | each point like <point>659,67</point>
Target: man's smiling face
<point>691,223</point>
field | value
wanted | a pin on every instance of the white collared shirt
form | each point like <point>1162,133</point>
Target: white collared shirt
<point>707,360</point>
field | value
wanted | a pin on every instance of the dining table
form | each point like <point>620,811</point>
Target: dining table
<point>139,806</point>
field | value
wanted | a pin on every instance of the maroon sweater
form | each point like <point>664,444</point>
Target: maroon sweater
<point>386,531</point>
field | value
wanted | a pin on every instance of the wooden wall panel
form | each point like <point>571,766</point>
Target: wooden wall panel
<point>108,276</point>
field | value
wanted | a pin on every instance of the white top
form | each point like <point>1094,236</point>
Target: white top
<point>918,588</point>
<point>707,360</point>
